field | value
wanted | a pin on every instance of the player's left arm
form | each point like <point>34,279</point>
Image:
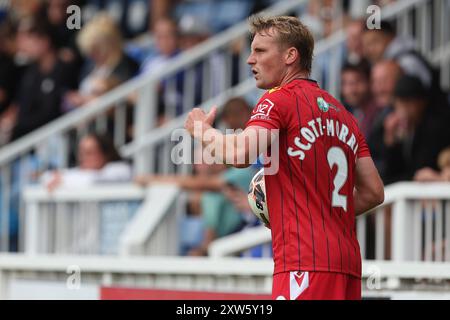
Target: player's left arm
<point>238,150</point>
<point>369,188</point>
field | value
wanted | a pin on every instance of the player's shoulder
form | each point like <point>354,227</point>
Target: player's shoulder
<point>328,103</point>
<point>277,95</point>
<point>278,92</point>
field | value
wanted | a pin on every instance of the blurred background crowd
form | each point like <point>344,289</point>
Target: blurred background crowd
<point>48,70</point>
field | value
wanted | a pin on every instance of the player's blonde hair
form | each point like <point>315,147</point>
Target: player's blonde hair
<point>290,32</point>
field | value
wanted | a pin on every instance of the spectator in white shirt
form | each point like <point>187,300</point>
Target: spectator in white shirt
<point>98,162</point>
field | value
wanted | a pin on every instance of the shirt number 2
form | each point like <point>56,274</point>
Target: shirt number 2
<point>336,156</point>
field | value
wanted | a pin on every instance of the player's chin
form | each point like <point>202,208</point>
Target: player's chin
<point>261,85</point>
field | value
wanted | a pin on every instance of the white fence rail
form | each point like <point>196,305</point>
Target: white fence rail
<point>154,231</point>
<point>414,280</point>
<point>52,144</point>
<point>77,221</point>
<point>407,264</point>
<point>101,220</point>
<point>413,224</point>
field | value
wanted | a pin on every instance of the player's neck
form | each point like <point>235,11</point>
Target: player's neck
<point>290,76</point>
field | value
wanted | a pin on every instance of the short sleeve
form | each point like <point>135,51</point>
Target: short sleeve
<point>268,111</point>
<point>363,149</point>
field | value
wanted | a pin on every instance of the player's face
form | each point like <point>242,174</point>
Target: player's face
<point>267,60</point>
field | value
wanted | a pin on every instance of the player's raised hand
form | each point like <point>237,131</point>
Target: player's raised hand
<point>198,117</point>
<point>211,116</point>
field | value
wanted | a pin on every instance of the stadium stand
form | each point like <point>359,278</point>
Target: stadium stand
<point>124,235</point>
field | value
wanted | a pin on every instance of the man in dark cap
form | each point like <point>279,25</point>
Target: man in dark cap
<point>415,132</point>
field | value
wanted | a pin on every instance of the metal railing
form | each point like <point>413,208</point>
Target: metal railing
<point>52,144</point>
<point>150,148</point>
<point>226,275</point>
<point>154,231</point>
<point>102,220</point>
<point>413,224</point>
<point>77,221</point>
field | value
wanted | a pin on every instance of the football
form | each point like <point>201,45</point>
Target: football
<point>257,197</point>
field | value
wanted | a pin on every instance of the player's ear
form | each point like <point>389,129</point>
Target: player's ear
<point>291,55</point>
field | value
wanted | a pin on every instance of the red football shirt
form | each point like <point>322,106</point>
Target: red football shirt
<point>310,198</point>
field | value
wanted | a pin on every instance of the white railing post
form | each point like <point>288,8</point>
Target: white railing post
<point>380,234</point>
<point>447,232</point>
<point>68,220</point>
<point>144,120</point>
<point>4,284</point>
<point>401,230</point>
<point>152,216</point>
<point>361,234</point>
<point>32,228</point>
<point>417,231</point>
<point>6,174</point>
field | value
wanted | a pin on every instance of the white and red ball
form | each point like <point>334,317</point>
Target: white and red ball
<point>257,197</point>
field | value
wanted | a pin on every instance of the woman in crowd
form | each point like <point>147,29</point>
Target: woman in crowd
<point>98,162</point>
<point>102,43</point>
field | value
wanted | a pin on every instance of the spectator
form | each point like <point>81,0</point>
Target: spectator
<point>25,9</point>
<point>354,30</point>
<point>236,113</point>
<point>323,17</point>
<point>134,16</point>
<point>10,75</point>
<point>380,44</point>
<point>167,43</point>
<point>100,40</point>
<point>99,85</point>
<point>384,77</point>
<point>45,81</point>
<point>221,214</point>
<point>415,132</point>
<point>221,211</point>
<point>193,31</point>
<point>192,227</point>
<point>357,95</point>
<point>160,8</point>
<point>443,175</point>
<point>239,199</point>
<point>98,162</point>
<point>65,38</point>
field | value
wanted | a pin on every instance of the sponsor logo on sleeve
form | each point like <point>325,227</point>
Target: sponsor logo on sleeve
<point>262,111</point>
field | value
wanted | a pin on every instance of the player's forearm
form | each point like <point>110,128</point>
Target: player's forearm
<point>231,149</point>
<point>365,201</point>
